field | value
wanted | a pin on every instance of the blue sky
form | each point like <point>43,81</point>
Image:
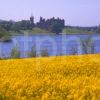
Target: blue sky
<point>75,12</point>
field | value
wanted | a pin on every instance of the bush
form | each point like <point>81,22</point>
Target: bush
<point>5,39</point>
<point>32,53</point>
<point>15,53</point>
<point>88,46</point>
<point>74,51</point>
<point>44,53</point>
<point>4,35</point>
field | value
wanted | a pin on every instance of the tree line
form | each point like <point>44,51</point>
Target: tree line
<point>54,25</point>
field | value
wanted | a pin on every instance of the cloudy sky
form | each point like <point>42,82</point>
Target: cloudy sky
<point>75,12</point>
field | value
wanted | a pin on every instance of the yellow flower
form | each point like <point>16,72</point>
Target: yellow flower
<point>58,78</point>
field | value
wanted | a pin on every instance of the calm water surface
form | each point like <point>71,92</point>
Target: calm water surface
<point>55,44</point>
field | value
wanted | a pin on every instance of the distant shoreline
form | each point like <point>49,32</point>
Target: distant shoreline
<point>56,34</point>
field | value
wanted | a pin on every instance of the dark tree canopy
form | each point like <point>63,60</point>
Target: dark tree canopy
<point>3,32</point>
<point>54,25</point>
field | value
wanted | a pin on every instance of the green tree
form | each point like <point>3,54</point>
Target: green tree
<point>56,27</point>
<point>3,32</point>
<point>4,35</point>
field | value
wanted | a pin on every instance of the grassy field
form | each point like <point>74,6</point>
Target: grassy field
<point>30,32</point>
<point>76,31</point>
<point>51,78</point>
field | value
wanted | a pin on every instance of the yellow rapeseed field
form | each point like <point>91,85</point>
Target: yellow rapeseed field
<point>51,78</point>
